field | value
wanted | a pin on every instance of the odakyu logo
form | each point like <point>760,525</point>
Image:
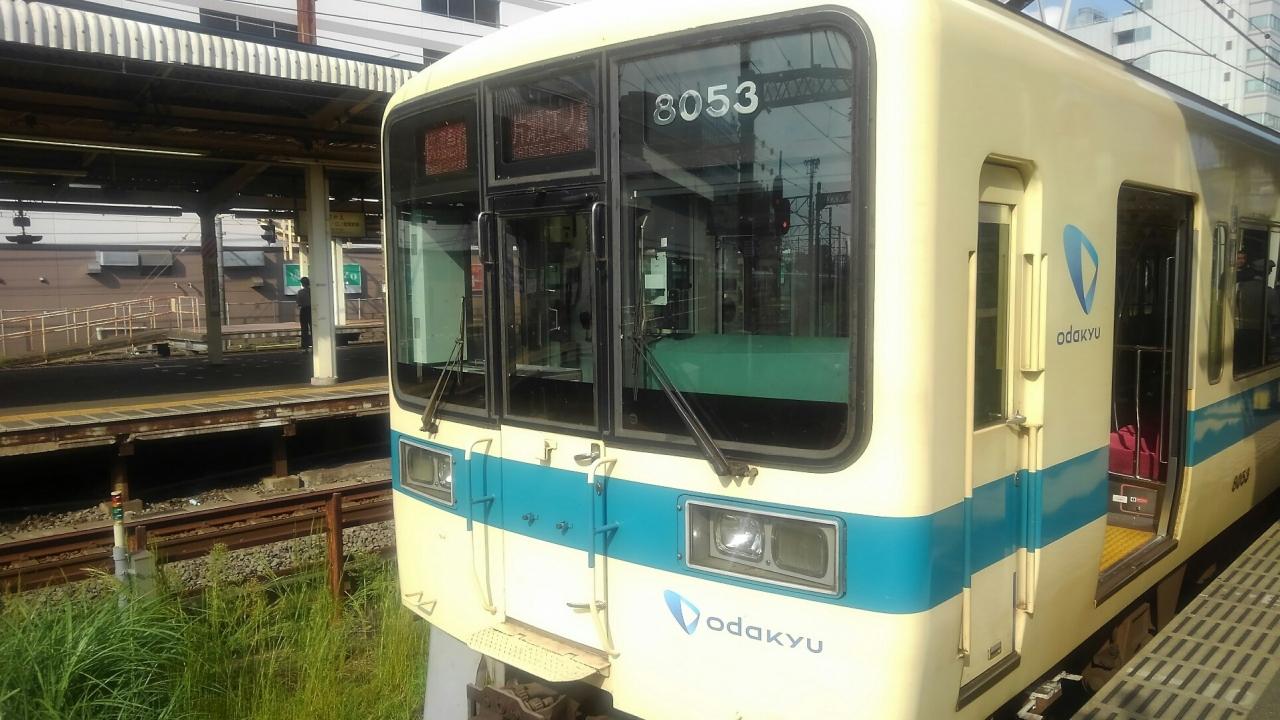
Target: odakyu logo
<point>1083,267</point>
<point>1076,246</point>
<point>687,616</point>
<point>685,612</point>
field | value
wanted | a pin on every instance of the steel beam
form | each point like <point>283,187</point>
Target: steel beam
<point>209,252</point>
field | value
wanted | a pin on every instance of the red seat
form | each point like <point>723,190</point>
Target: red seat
<point>1125,444</point>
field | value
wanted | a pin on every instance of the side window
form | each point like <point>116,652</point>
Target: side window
<point>1000,190</point>
<point>991,314</point>
<point>1257,318</point>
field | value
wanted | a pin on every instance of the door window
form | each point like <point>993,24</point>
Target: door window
<point>549,300</point>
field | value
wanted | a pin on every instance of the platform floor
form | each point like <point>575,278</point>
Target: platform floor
<point>74,406</point>
<point>1219,658</point>
<point>87,385</point>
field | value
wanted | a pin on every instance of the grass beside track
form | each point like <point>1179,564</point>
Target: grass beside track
<point>262,651</point>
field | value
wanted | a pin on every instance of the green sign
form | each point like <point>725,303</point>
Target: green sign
<point>352,278</point>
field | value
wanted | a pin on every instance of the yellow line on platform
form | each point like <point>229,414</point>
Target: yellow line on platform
<point>181,401</point>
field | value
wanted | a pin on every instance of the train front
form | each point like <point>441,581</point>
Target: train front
<point>629,290</point>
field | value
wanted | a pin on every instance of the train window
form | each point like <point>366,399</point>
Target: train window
<point>549,299</point>
<point>739,236</point>
<point>1257,319</point>
<point>1218,301</point>
<point>991,314</point>
<point>437,303</point>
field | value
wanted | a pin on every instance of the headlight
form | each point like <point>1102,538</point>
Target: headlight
<point>739,535</point>
<point>427,471</point>
<point>775,548</point>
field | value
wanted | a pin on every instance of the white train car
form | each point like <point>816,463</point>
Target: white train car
<point>761,359</point>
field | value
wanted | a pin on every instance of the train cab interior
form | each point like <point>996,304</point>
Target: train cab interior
<point>1147,407</point>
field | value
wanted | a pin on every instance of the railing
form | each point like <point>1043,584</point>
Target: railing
<point>277,311</point>
<point>50,330</point>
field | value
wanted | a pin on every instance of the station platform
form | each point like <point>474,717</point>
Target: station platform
<point>70,406</point>
<point>1219,658</point>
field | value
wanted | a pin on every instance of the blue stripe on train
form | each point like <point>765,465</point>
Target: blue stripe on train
<point>893,564</point>
<point>1216,427</point>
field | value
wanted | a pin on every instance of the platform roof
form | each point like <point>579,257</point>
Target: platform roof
<point>105,106</point>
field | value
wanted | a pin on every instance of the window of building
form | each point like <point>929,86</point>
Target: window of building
<point>1230,44</point>
<point>1264,22</point>
<point>248,25</point>
<point>1264,85</point>
<point>1226,77</point>
<point>481,11</point>
<point>1266,119</point>
<point>1128,37</point>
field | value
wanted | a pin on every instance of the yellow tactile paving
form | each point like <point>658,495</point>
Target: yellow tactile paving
<point>175,402</point>
<point>1119,543</point>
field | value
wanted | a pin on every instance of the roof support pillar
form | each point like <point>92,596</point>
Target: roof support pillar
<point>325,277</point>
<point>209,255</point>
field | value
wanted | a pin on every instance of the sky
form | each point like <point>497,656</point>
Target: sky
<point>1110,7</point>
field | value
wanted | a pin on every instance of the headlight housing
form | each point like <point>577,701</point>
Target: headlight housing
<point>427,471</point>
<point>770,547</point>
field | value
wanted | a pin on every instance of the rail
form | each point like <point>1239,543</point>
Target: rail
<point>78,554</point>
<point>43,331</point>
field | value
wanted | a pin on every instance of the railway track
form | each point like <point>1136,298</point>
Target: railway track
<point>75,555</point>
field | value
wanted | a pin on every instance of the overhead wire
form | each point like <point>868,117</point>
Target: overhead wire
<point>367,20</point>
<point>1191,42</point>
<point>1240,32</point>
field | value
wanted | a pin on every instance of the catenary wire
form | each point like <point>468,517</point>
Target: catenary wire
<point>1240,32</point>
<point>1191,42</point>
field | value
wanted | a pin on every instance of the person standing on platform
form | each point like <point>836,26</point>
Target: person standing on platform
<point>304,312</point>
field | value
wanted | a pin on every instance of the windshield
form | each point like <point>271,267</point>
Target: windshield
<point>737,168</point>
<point>437,280</point>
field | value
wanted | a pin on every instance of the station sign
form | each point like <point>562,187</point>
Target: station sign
<point>346,224</point>
<point>352,278</point>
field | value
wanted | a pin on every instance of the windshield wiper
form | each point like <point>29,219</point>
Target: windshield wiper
<point>429,423</point>
<point>723,466</point>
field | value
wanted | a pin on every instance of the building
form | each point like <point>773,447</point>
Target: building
<point>406,30</point>
<point>109,287</point>
<point>1214,58</point>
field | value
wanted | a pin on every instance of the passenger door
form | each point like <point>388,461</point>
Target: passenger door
<point>550,413</point>
<point>997,426</point>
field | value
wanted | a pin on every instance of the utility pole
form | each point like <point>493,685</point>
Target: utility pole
<point>307,21</point>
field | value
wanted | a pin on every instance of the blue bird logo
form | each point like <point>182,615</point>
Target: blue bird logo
<point>1076,246</point>
<point>686,613</point>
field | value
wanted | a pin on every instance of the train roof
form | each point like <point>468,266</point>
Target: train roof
<point>586,27</point>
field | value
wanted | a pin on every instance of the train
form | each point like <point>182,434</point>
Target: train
<point>767,359</point>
